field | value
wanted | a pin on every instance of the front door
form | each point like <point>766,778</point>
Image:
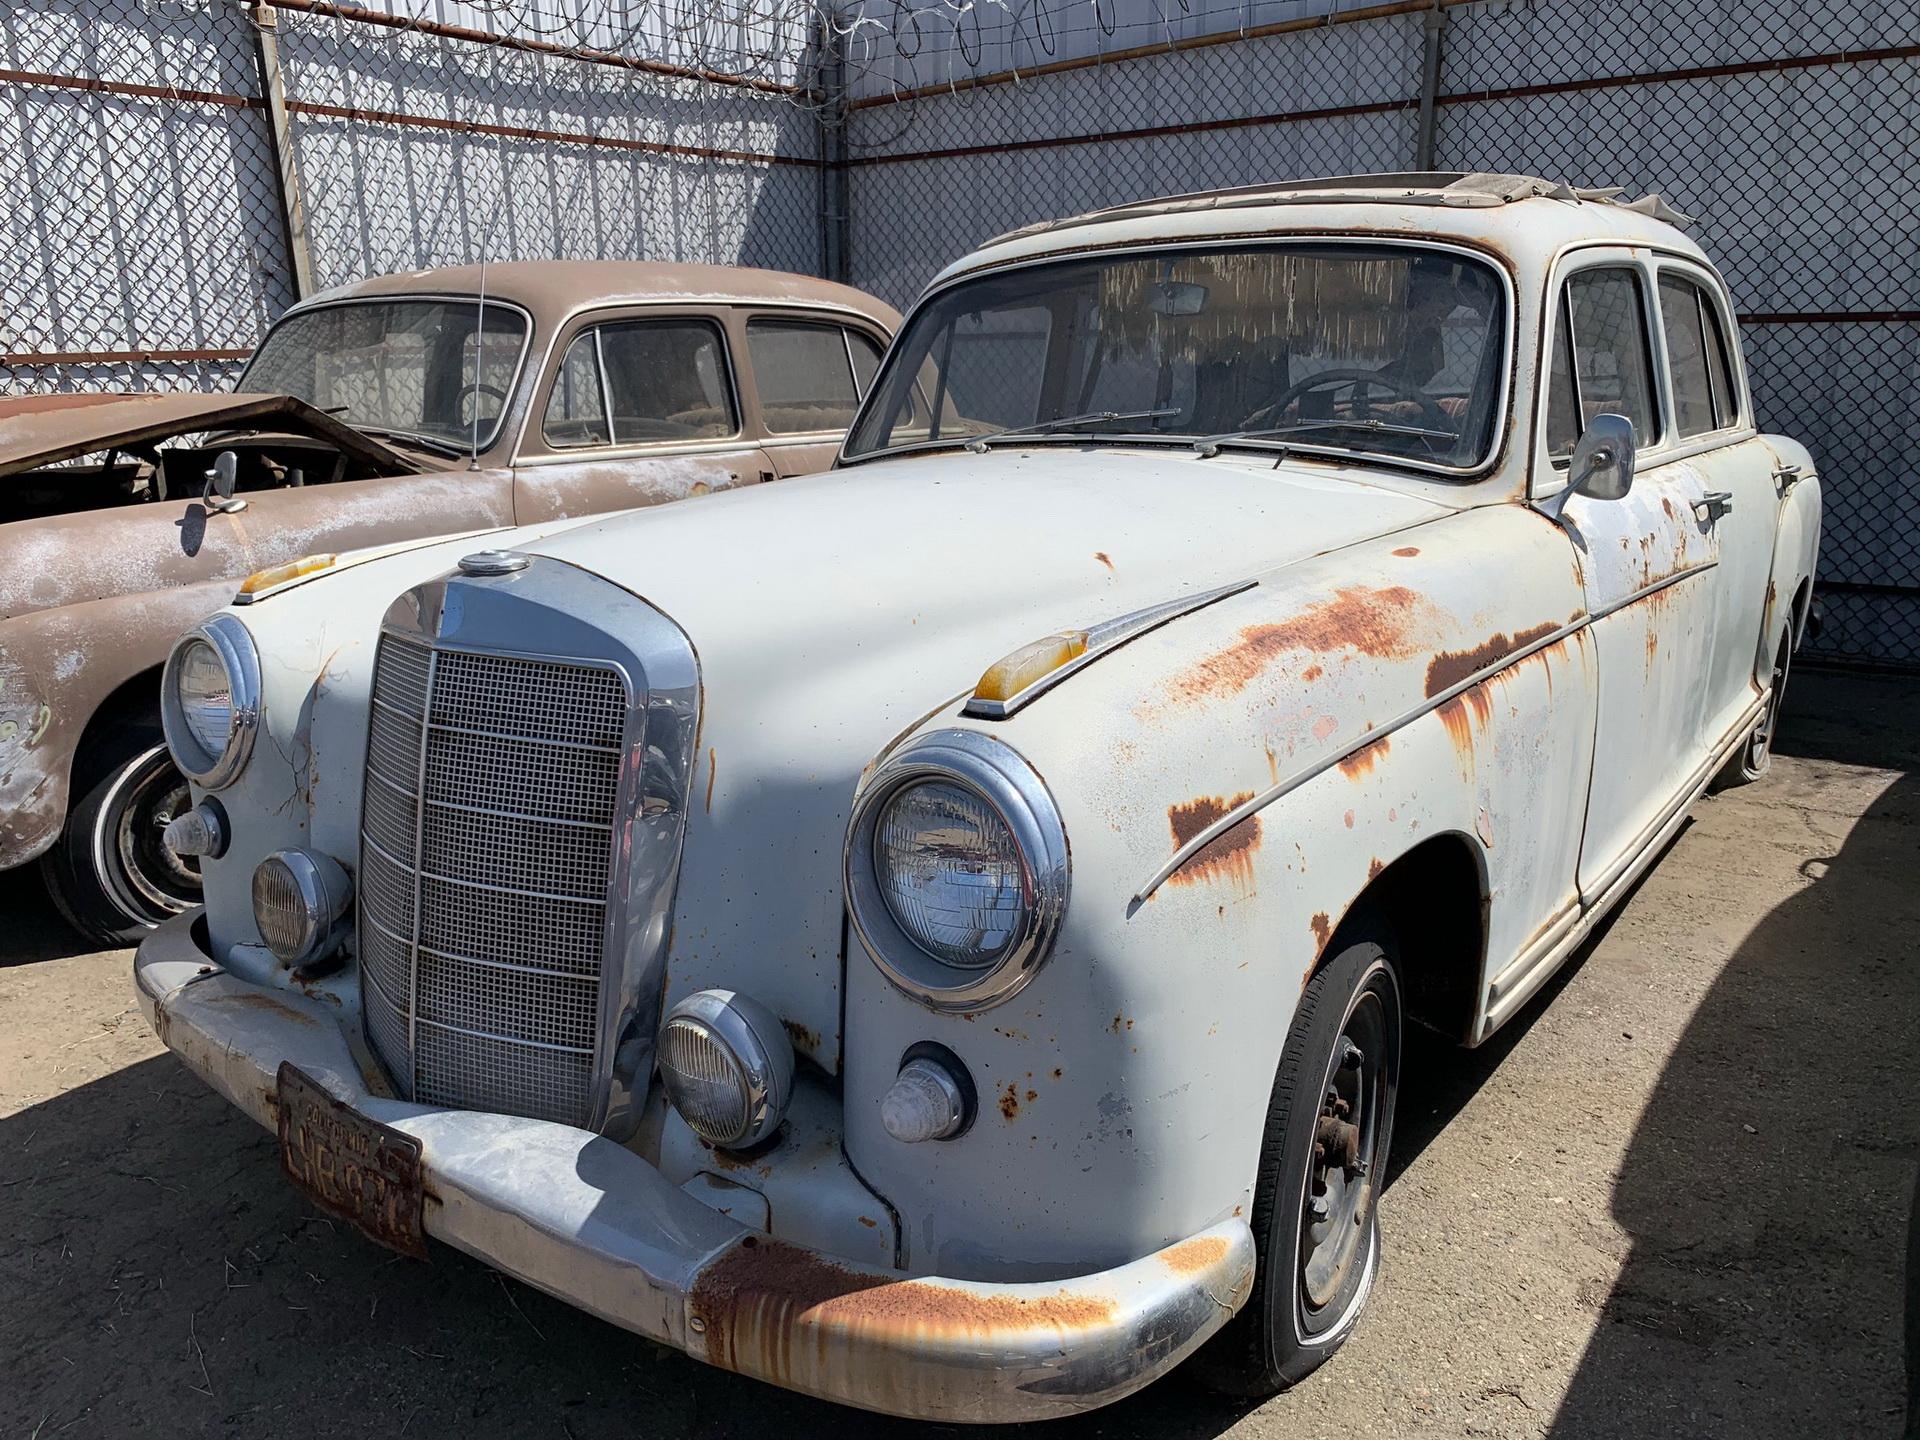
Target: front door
<point>1647,561</point>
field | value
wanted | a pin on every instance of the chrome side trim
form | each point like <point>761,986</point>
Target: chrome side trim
<point>1665,582</point>
<point>1104,639</point>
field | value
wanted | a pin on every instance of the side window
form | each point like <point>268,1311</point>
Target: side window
<point>667,380</point>
<point>1612,362</point>
<point>804,376</point>
<point>577,406</point>
<point>1694,411</point>
<point>866,359</point>
<point>1726,397</point>
<point>1563,407</point>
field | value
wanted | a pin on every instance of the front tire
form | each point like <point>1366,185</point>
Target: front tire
<point>1315,1211</point>
<point>108,873</point>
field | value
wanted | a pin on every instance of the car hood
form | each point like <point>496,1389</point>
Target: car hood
<point>38,430</point>
<point>834,612</point>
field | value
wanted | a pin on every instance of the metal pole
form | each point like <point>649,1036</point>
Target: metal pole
<point>273,93</point>
<point>1435,24</point>
<point>834,202</point>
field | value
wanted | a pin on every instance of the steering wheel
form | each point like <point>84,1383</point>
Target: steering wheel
<point>1435,417</point>
<point>468,392</point>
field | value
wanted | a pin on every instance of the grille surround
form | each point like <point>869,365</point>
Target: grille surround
<point>529,747</point>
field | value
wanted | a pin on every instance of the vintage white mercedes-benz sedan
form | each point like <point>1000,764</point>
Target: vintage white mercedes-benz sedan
<point>938,934</point>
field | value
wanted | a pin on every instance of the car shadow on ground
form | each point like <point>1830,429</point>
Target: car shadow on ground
<point>1766,1188</point>
<point>34,931</point>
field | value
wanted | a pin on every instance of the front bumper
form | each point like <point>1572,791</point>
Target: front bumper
<point>589,1221</point>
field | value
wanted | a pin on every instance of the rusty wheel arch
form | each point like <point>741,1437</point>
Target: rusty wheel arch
<point>1438,892</point>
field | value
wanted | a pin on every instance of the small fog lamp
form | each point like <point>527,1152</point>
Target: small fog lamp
<point>298,899</point>
<point>727,1066</point>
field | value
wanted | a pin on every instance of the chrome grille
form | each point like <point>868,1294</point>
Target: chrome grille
<point>492,786</point>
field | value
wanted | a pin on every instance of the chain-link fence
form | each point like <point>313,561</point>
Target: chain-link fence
<point>1792,132</point>
<point>175,172</point>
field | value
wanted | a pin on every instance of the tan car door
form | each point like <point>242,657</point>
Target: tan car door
<point>1739,501</point>
<point>1646,560</point>
<point>641,407</point>
<point>808,376</point>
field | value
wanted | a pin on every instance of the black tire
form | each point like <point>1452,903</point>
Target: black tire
<point>108,873</point>
<point>1304,1306</point>
<point>1753,759</point>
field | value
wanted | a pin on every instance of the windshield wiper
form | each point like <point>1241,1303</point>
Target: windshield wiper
<point>978,445</point>
<point>1210,445</point>
<point>408,437</point>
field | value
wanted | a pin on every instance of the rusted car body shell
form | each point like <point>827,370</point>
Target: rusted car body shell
<point>90,601</point>
<point>1405,668</point>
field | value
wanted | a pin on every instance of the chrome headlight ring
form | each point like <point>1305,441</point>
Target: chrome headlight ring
<point>1000,776</point>
<point>231,642</point>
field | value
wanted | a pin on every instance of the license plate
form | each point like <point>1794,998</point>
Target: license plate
<point>354,1168</point>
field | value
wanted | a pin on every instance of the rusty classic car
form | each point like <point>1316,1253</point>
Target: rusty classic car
<point>938,934</point>
<point>376,414</point>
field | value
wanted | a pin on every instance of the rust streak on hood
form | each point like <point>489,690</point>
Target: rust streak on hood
<point>1391,622</point>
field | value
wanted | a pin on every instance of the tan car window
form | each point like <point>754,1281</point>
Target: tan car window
<point>577,406</point>
<point>805,379</point>
<point>1693,409</point>
<point>1612,360</point>
<point>668,381</point>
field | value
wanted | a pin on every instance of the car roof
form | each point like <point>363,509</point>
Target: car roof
<point>553,290</point>
<point>1519,216</point>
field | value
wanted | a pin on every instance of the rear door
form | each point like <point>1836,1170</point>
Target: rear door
<point>1739,501</point>
<point>808,377</point>
<point>1645,559</point>
<point>640,407</point>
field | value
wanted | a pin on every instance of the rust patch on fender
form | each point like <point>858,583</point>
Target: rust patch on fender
<point>1229,855</point>
<point>261,1000</point>
<point>1408,551</point>
<point>1010,1101</point>
<point>1103,558</point>
<point>1190,1257</point>
<point>1362,760</point>
<point>1384,621</point>
<point>1374,868</point>
<point>754,1305</point>
<point>713,770</point>
<point>1450,667</point>
<point>803,1038</point>
<point>1322,929</point>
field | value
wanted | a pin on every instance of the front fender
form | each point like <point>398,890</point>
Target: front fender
<point>57,667</point>
<point>1438,682</point>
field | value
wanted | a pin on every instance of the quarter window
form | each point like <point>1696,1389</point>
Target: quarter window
<point>1726,395</point>
<point>641,381</point>
<point>1611,363</point>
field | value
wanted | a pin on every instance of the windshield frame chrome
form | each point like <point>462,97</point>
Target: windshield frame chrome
<point>489,440</point>
<point>1496,440</point>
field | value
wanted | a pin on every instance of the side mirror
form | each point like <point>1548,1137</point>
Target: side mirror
<point>220,482</point>
<point>1602,467</point>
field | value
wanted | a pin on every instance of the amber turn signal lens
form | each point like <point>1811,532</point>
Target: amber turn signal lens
<point>1011,674</point>
<point>281,574</point>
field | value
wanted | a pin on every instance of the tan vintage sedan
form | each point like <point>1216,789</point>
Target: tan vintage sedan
<point>375,415</point>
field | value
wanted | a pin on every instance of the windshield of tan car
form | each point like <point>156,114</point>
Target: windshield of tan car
<point>1394,350</point>
<point>403,367</point>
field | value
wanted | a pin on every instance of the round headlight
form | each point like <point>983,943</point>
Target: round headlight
<point>956,869</point>
<point>727,1067</point>
<point>210,700</point>
<point>950,872</point>
<point>298,899</point>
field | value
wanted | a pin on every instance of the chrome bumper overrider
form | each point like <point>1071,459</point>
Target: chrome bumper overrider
<point>589,1221</point>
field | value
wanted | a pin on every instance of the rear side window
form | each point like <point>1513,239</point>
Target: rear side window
<point>1726,395</point>
<point>632,382</point>
<point>1604,317</point>
<point>1684,323</point>
<point>804,374</point>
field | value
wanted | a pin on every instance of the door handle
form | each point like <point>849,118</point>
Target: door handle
<point>1712,505</point>
<point>1786,477</point>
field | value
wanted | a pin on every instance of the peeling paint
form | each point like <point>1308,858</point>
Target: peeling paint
<point>1229,855</point>
<point>1366,757</point>
<point>1390,622</point>
<point>1322,929</point>
<point>1450,667</point>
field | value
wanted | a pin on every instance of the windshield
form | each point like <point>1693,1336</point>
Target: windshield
<point>405,367</point>
<point>1389,349</point>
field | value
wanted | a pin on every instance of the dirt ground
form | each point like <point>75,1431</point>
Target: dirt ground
<point>1670,1199</point>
